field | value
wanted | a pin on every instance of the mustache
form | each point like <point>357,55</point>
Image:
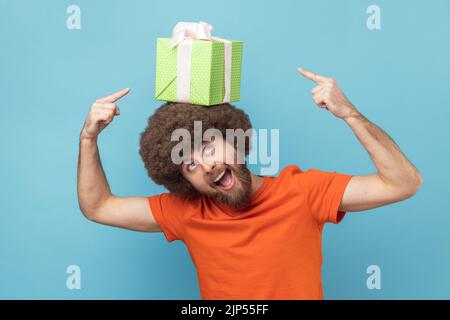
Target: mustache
<point>238,198</point>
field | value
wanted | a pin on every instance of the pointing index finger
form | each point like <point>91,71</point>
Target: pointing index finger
<point>311,76</point>
<point>115,96</point>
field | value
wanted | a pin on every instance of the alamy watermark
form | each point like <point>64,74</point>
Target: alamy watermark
<point>261,153</point>
<point>374,20</point>
<point>73,281</point>
<point>73,21</point>
<point>374,280</point>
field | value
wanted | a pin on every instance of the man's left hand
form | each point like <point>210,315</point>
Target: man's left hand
<point>328,95</point>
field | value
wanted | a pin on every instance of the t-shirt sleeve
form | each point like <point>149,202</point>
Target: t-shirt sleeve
<point>324,191</point>
<point>169,213</point>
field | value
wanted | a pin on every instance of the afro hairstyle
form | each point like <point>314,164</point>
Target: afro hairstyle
<point>156,145</point>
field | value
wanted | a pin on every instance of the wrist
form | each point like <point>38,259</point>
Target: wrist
<point>352,116</point>
<point>86,136</point>
<point>84,139</point>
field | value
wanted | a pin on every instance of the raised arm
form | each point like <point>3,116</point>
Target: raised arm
<point>94,195</point>
<point>397,178</point>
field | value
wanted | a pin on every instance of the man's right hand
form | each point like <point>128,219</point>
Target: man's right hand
<point>101,114</point>
<point>94,195</point>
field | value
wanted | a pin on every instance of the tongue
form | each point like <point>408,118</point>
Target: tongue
<point>227,180</point>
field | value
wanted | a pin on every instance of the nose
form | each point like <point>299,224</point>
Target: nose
<point>208,167</point>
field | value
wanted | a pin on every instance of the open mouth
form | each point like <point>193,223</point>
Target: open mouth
<point>225,180</point>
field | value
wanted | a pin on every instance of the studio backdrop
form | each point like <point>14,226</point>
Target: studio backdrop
<point>391,58</point>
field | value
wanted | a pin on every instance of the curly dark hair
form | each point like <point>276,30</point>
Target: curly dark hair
<point>156,144</point>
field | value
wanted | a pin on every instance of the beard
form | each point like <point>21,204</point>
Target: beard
<point>239,196</point>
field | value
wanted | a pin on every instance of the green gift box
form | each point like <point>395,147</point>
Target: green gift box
<point>213,75</point>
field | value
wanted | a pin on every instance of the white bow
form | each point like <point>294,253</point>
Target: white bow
<point>196,31</point>
<point>191,31</point>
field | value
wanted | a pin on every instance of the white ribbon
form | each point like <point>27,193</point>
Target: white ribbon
<point>183,34</point>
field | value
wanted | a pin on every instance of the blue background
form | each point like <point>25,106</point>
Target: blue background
<point>398,77</point>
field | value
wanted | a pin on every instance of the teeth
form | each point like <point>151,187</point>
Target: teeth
<point>220,176</point>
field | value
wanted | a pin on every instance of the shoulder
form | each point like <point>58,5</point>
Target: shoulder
<point>290,170</point>
<point>288,176</point>
<point>297,172</point>
<point>292,174</point>
<point>169,201</point>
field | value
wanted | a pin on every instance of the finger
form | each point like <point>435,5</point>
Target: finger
<point>108,113</point>
<point>104,112</point>
<point>115,110</point>
<point>103,117</point>
<point>320,100</point>
<point>312,76</point>
<point>108,107</point>
<point>321,103</point>
<point>319,95</point>
<point>104,109</point>
<point>115,96</point>
<point>104,106</point>
<point>316,89</point>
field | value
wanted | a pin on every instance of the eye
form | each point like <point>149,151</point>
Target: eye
<point>208,151</point>
<point>191,166</point>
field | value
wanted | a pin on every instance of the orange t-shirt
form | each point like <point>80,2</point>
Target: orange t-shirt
<point>270,250</point>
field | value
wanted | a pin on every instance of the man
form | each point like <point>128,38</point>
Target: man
<point>249,236</point>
